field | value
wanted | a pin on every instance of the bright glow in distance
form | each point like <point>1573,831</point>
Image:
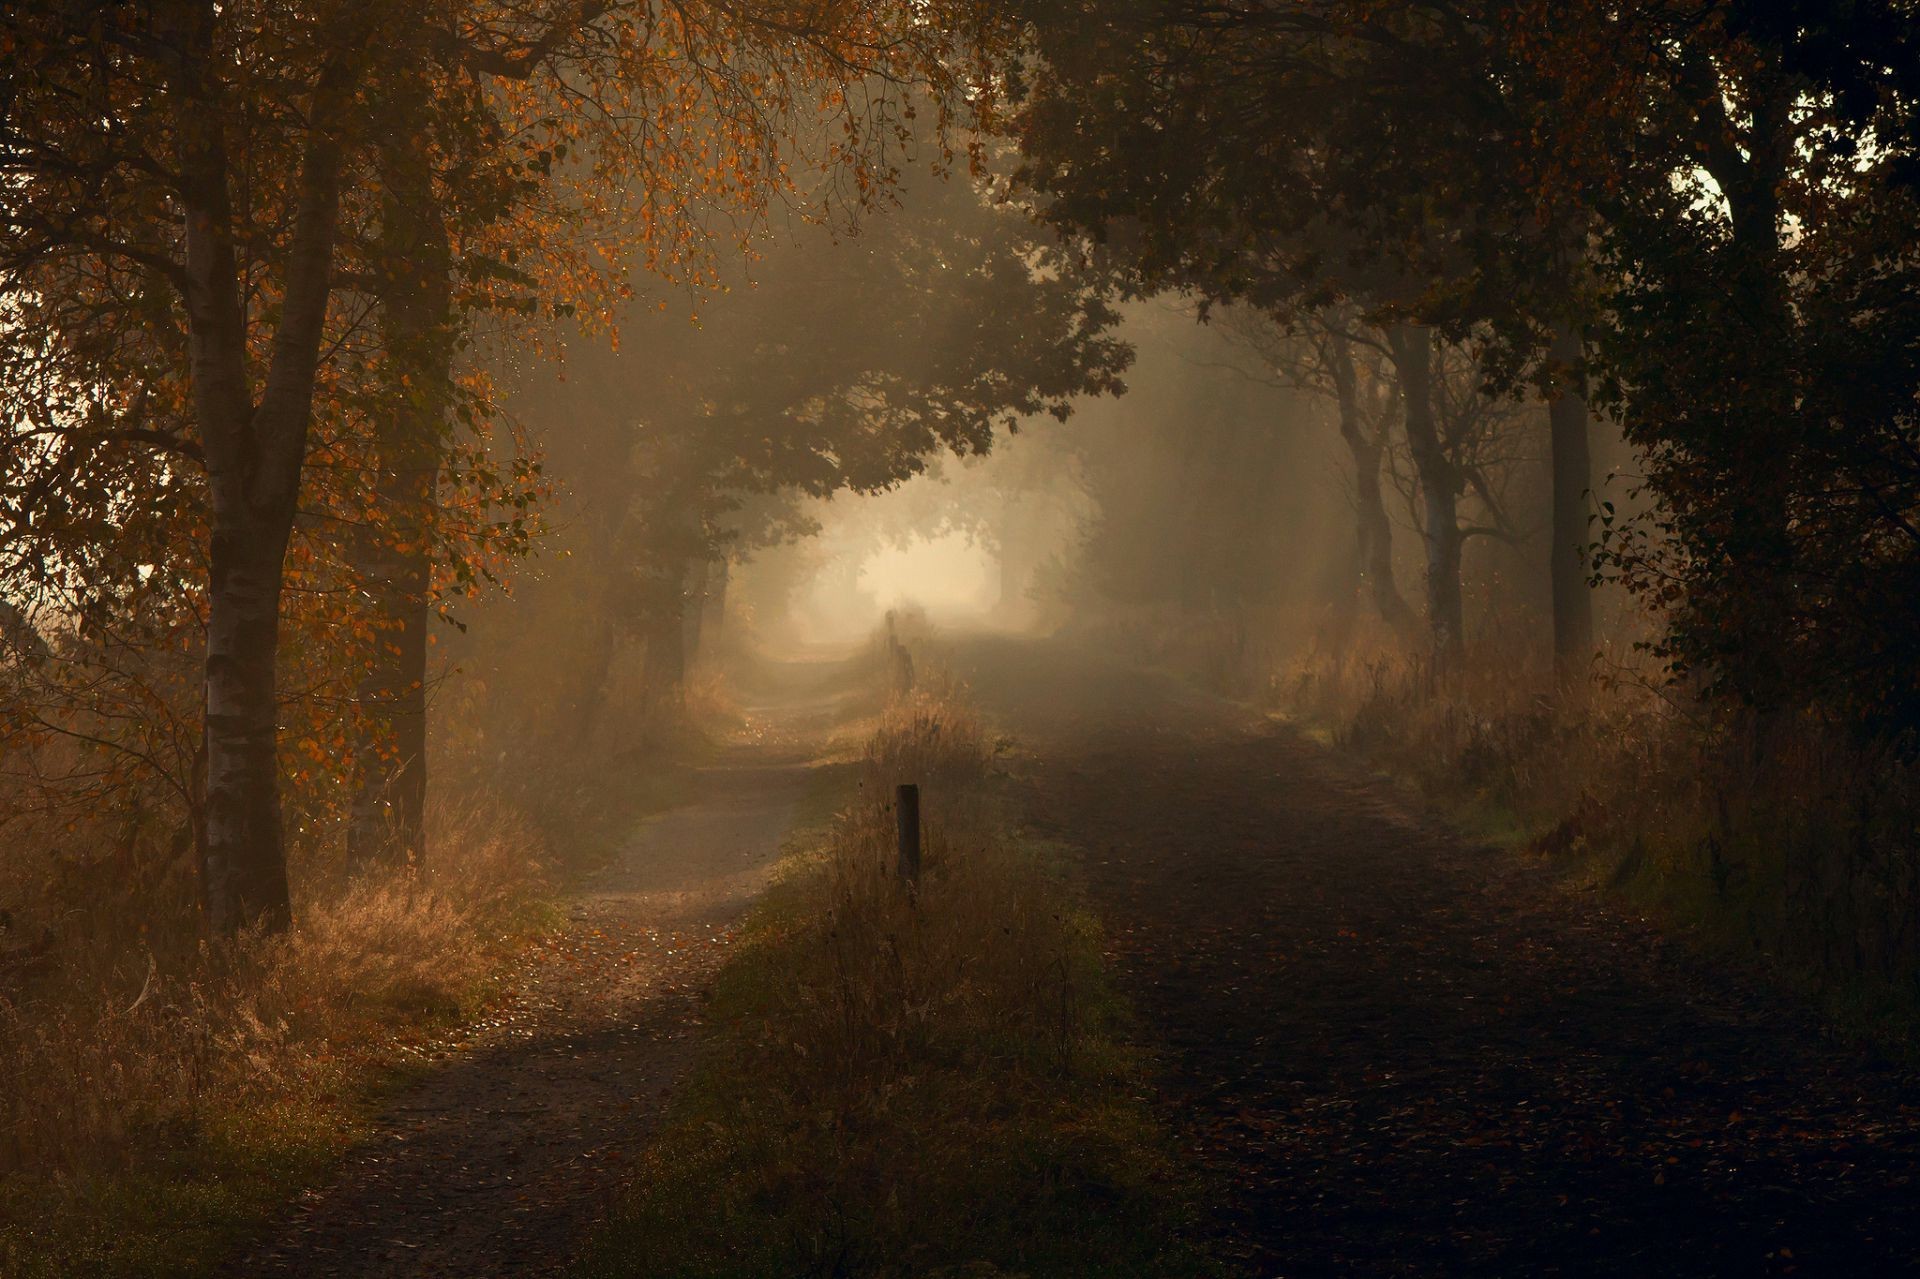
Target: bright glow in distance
<point>950,577</point>
<point>947,575</point>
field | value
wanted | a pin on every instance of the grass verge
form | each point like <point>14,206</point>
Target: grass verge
<point>929,1082</point>
<point>1785,844</point>
<point>149,1131</point>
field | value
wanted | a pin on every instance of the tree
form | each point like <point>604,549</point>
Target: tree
<point>1179,519</point>
<point>842,359</point>
<point>113,125</point>
<point>1375,184</point>
<point>710,109</point>
<point>1336,356</point>
<point>198,164</point>
<point>1762,223</point>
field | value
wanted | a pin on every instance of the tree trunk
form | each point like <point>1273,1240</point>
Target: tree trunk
<point>394,548</point>
<point>1373,532</point>
<point>243,863</point>
<point>1412,347</point>
<point>1757,441</point>
<point>666,668</point>
<point>390,754</point>
<point>718,579</point>
<point>1572,478</point>
<point>663,621</point>
<point>1021,528</point>
<point>255,454</point>
<point>588,680</point>
<point>694,611</point>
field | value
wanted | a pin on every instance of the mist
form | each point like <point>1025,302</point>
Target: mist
<point>1044,639</point>
<point>947,576</point>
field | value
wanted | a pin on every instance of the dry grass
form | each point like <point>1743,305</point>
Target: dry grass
<point>930,735</point>
<point>911,1081</point>
<point>119,1068</point>
<point>986,947</point>
<point>708,699</point>
<point>1791,838</point>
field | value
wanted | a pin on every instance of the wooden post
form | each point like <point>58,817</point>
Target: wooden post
<point>907,810</point>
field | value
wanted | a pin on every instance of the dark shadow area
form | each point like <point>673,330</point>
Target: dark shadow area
<point>1401,1053</point>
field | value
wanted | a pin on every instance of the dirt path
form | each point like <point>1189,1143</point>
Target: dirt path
<point>497,1161</point>
<point>1401,1054</point>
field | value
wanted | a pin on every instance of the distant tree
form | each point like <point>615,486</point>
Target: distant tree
<point>1335,355</point>
<point>1179,482</point>
<point>841,361</point>
<point>1485,441</point>
<point>1701,216</point>
<point>1300,155</point>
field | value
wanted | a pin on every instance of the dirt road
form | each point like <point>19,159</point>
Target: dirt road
<point>1398,1053</point>
<point>497,1162</point>
<point>1390,1051</point>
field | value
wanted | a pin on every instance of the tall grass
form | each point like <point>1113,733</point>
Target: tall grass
<point>227,1069</point>
<point>1792,837</point>
<point>926,1080</point>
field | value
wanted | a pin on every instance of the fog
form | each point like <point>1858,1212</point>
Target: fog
<point>959,638</point>
<point>950,577</point>
<point>1209,488</point>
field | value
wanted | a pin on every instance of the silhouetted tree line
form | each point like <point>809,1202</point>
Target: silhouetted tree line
<point>1699,217</point>
<point>261,269</point>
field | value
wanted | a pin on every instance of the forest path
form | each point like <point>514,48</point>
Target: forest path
<point>497,1160</point>
<point>1397,1052</point>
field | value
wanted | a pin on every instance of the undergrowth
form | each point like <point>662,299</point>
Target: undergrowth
<point>1791,839</point>
<point>160,1098</point>
<point>152,1116</point>
<point>1787,839</point>
<point>911,1081</point>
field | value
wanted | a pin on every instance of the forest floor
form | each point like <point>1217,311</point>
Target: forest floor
<point>498,1156</point>
<point>1395,1051</point>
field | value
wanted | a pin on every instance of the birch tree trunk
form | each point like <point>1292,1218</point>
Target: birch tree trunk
<point>254,455</point>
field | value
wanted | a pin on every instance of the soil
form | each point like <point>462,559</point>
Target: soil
<point>1395,1052</point>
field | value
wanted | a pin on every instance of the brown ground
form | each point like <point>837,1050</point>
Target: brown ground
<point>498,1160</point>
<point>1391,1051</point>
<point>1399,1053</point>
